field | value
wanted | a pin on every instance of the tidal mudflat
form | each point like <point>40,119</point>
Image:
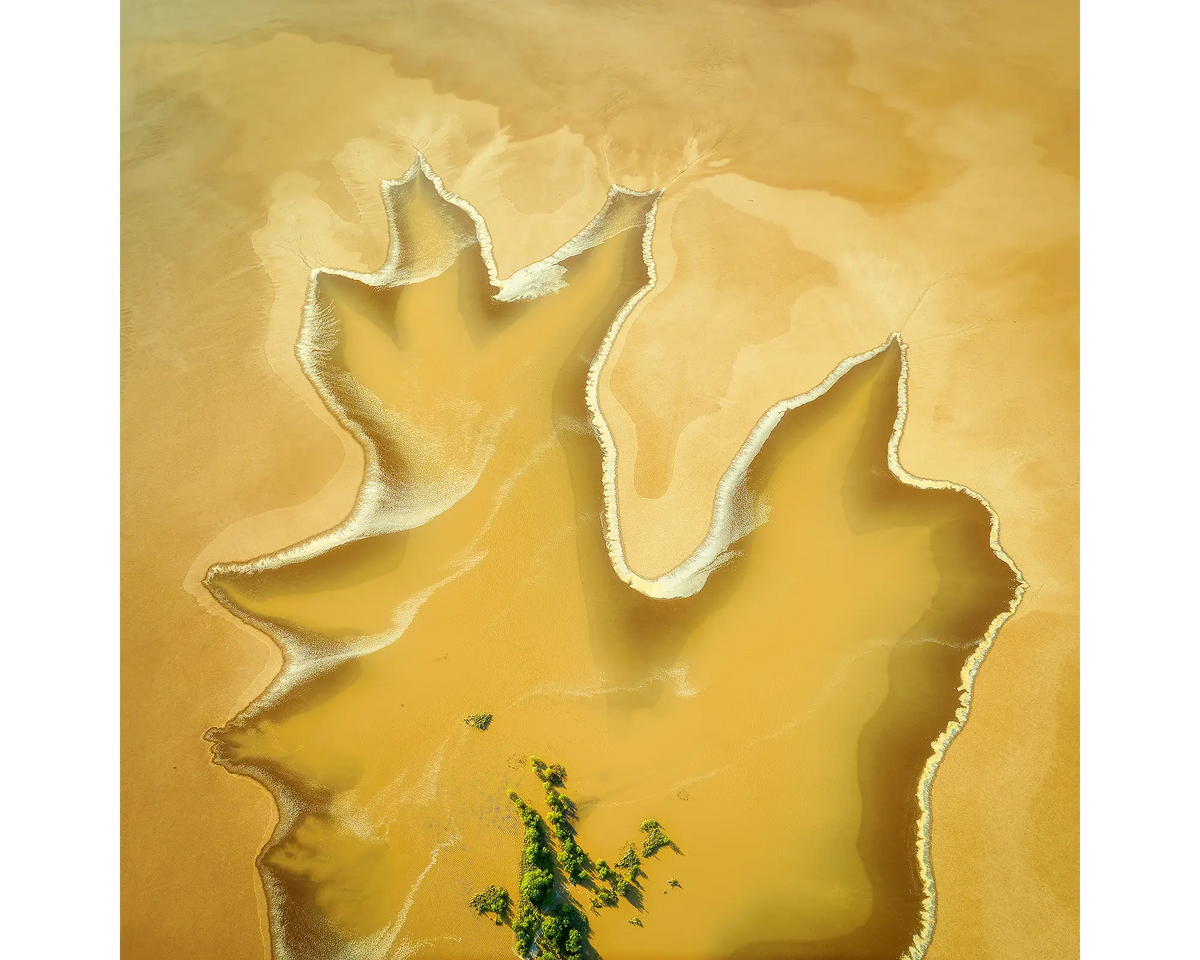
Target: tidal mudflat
<point>779,712</point>
<point>833,172</point>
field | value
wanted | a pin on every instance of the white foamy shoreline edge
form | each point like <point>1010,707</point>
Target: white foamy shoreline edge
<point>923,939</point>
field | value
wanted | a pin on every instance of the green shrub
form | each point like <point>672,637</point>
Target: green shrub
<point>528,815</point>
<point>535,886</point>
<point>621,885</point>
<point>636,921</point>
<point>655,839</point>
<point>672,882</point>
<point>536,860</point>
<point>573,860</point>
<point>630,861</point>
<point>571,857</point>
<point>479,721</point>
<point>554,773</point>
<point>552,929</point>
<point>526,926</point>
<point>492,900</point>
<point>563,933</point>
<point>604,897</point>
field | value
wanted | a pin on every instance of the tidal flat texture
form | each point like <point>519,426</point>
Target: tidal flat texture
<point>831,173</point>
<point>786,714</point>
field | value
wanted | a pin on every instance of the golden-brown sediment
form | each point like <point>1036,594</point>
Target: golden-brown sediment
<point>338,603</point>
<point>242,159</point>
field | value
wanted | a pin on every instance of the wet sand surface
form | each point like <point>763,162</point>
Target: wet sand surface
<point>254,150</point>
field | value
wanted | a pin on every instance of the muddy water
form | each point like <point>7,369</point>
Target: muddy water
<point>904,166</point>
<point>776,724</point>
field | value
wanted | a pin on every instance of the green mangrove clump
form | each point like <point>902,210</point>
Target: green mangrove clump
<point>548,772</point>
<point>636,921</point>
<point>558,933</point>
<point>573,861</point>
<point>479,721</point>
<point>563,933</point>
<point>537,864</point>
<point>604,897</point>
<point>617,887</point>
<point>493,900</point>
<point>655,838</point>
<point>526,926</point>
<point>672,882</point>
<point>571,857</point>
<point>630,862</point>
<point>535,886</point>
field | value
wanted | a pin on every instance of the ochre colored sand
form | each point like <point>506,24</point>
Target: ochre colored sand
<point>851,173</point>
